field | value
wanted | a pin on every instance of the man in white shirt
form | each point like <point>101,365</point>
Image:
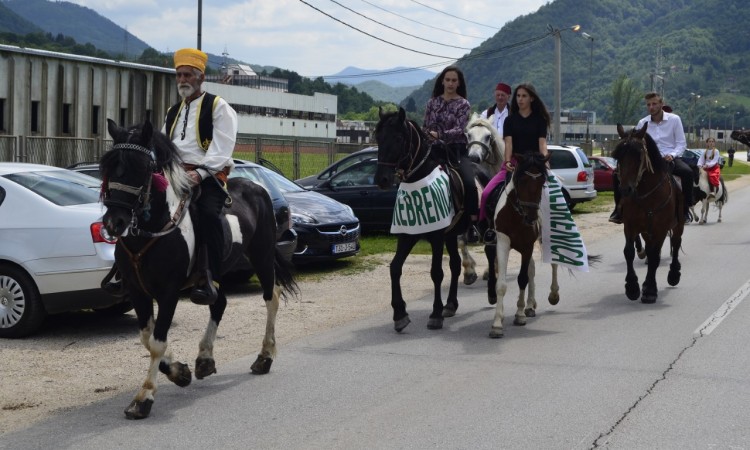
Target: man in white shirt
<point>499,111</point>
<point>665,128</point>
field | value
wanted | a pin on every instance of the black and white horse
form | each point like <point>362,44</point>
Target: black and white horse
<point>706,197</point>
<point>146,192</point>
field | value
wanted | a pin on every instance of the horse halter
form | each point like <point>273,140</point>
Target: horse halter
<point>141,194</point>
<point>522,207</point>
<point>406,154</point>
<point>644,165</point>
<point>491,160</point>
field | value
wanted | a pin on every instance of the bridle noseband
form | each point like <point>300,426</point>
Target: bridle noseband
<point>142,194</point>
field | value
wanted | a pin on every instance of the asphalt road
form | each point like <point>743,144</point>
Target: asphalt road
<point>597,370</point>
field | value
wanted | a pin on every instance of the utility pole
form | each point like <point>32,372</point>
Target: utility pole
<point>200,21</point>
<point>558,79</point>
<point>591,66</point>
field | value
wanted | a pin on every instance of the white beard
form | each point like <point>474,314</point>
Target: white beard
<point>185,90</point>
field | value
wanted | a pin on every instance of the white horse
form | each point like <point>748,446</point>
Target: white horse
<point>487,149</point>
<point>720,197</point>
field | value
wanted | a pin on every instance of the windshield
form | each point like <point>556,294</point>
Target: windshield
<point>61,187</point>
<point>284,185</point>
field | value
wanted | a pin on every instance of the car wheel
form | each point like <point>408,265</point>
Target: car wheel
<point>570,204</point>
<point>21,309</point>
<point>115,310</point>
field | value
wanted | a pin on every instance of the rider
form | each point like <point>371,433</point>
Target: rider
<point>665,128</point>
<point>445,118</point>
<point>203,127</point>
<point>709,161</point>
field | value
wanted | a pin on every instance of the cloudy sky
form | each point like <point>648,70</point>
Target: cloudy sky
<point>319,37</point>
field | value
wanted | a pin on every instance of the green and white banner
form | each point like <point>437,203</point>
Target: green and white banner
<point>562,243</point>
<point>423,206</point>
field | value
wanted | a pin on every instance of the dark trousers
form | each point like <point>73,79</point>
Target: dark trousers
<point>681,169</point>
<point>210,230</point>
<point>458,158</point>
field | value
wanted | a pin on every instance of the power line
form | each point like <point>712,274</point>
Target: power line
<point>396,30</point>
<point>455,17</point>
<point>423,24</point>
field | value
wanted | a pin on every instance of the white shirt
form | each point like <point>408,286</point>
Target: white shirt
<point>498,118</point>
<point>668,134</point>
<point>219,153</point>
<point>709,158</point>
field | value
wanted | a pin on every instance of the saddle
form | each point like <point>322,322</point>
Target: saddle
<point>493,199</point>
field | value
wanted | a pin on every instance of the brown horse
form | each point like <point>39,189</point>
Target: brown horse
<point>652,208</point>
<point>518,228</point>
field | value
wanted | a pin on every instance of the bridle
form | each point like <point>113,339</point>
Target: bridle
<point>406,153</point>
<point>523,207</point>
<point>491,158</point>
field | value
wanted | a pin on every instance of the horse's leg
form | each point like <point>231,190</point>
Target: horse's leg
<point>503,251</point>
<point>704,211</point>
<point>719,205</point>
<point>404,245</point>
<point>675,242</point>
<point>204,362</point>
<point>649,291</point>
<point>154,337</point>
<point>639,247</point>
<point>530,308</point>
<point>271,294</point>
<point>454,262</point>
<point>632,290</point>
<point>554,289</point>
<point>437,241</point>
<point>491,252</point>
<point>525,273</point>
<point>467,261</point>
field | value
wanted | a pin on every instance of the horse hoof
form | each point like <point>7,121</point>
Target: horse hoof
<point>648,299</point>
<point>261,366</point>
<point>179,374</point>
<point>138,410</point>
<point>400,324</point>
<point>521,322</point>
<point>449,311</point>
<point>492,299</point>
<point>673,278</point>
<point>632,291</point>
<point>496,333</point>
<point>435,324</point>
<point>470,278</point>
<point>485,276</point>
<point>530,312</point>
<point>204,367</point>
<point>553,298</point>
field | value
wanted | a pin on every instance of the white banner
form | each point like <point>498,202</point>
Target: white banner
<point>562,243</point>
<point>424,205</point>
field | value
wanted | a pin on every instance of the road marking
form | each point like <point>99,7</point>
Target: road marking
<point>720,314</point>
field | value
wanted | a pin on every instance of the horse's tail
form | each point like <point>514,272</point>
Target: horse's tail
<point>284,275</point>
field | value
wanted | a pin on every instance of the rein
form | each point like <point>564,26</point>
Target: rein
<point>522,206</point>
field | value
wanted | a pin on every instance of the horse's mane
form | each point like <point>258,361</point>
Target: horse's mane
<point>629,141</point>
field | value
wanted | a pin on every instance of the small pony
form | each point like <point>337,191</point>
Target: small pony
<point>719,198</point>
<point>652,208</point>
<point>146,193</point>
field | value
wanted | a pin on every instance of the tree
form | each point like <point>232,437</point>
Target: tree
<point>626,101</point>
<point>410,105</point>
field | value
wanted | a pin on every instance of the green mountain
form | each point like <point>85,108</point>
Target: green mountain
<point>697,46</point>
<point>383,92</point>
<point>82,24</point>
<point>11,22</point>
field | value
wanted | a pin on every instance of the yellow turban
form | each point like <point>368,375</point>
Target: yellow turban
<point>190,57</point>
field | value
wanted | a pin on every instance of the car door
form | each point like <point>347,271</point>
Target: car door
<point>602,175</point>
<point>355,186</point>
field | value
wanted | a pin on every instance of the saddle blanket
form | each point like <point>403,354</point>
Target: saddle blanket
<point>562,243</point>
<point>424,205</point>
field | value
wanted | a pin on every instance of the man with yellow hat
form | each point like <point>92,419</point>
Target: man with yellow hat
<point>203,127</point>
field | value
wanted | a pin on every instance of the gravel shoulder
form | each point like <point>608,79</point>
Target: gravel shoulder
<point>81,358</point>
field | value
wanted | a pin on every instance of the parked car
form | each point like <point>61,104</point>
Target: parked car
<point>574,170</point>
<point>54,251</point>
<point>604,168</point>
<point>326,229</point>
<point>355,186</point>
<point>692,155</point>
<point>338,166</point>
<point>286,237</point>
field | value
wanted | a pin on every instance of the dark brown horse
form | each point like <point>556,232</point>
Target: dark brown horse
<point>652,208</point>
<point>518,227</point>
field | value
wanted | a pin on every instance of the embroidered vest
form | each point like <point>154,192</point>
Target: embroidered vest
<point>205,129</point>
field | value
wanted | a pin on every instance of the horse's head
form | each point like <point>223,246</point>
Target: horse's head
<point>127,175</point>
<point>637,155</point>
<point>485,146</point>
<point>396,137</point>
<point>528,181</point>
<point>741,136</point>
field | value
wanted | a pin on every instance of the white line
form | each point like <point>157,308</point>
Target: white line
<point>720,314</point>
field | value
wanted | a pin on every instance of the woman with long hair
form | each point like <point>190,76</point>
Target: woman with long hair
<point>445,119</point>
<point>524,131</point>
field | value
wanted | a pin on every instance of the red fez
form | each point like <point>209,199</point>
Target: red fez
<point>503,87</point>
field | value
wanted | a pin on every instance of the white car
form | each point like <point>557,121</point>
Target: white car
<point>53,248</point>
<point>575,171</point>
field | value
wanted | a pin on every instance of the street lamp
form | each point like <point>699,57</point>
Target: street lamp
<point>591,66</point>
<point>558,78</point>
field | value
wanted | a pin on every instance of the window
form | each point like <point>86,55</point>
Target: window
<point>35,117</point>
<point>66,127</point>
<point>123,116</point>
<point>95,119</point>
<point>2,116</point>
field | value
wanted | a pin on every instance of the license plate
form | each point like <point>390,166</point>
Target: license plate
<point>343,248</point>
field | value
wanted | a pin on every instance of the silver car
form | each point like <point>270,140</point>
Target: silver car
<point>53,248</point>
<point>575,171</point>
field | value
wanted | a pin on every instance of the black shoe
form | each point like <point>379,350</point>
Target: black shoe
<point>472,235</point>
<point>205,294</point>
<point>615,217</point>
<point>490,237</point>
<point>114,288</point>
